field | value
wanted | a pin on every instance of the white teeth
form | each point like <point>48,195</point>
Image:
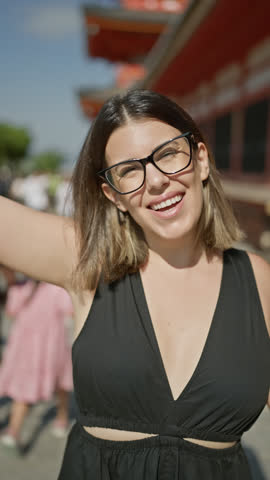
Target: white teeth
<point>167,203</point>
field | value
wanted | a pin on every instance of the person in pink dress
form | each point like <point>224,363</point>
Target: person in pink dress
<point>37,358</point>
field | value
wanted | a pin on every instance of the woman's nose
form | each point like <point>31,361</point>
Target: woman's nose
<point>154,178</point>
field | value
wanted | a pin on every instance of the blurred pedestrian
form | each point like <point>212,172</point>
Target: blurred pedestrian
<point>37,358</point>
<point>7,278</point>
<point>33,191</point>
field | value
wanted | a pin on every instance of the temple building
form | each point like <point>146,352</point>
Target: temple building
<point>124,34</point>
<point>213,58</point>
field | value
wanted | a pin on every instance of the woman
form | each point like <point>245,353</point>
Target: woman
<point>172,356</point>
<point>37,357</point>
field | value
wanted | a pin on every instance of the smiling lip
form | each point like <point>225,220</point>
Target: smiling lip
<point>170,212</point>
<point>163,198</point>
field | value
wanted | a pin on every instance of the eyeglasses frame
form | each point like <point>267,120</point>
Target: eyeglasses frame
<point>149,159</point>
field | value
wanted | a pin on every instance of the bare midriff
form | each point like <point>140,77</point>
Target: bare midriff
<point>123,435</point>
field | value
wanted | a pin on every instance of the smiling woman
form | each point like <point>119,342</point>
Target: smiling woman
<point>143,121</point>
<point>172,352</point>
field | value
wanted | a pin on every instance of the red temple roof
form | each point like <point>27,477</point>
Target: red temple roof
<point>92,99</point>
<point>121,34</point>
<point>128,74</point>
<point>204,42</point>
<point>125,34</point>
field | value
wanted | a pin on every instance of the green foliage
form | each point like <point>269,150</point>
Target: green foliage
<point>14,144</point>
<point>54,180</point>
<point>47,162</point>
<point>14,148</point>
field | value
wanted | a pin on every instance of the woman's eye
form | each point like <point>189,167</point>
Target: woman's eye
<point>171,152</point>
<point>127,170</point>
<point>167,153</point>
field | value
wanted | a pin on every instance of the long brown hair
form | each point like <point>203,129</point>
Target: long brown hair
<point>113,249</point>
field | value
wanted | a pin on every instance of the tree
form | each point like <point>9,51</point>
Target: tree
<point>47,162</point>
<point>14,144</point>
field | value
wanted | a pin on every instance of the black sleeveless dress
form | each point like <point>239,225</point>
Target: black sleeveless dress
<point>120,382</point>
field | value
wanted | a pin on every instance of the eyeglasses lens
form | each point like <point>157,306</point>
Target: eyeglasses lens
<point>173,156</point>
<point>127,176</point>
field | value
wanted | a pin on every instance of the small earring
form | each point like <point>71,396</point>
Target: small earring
<point>121,217</point>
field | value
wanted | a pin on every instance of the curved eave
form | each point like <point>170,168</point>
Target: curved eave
<point>118,25</point>
<point>91,100</point>
<point>120,35</point>
<point>121,18</point>
<point>119,46</point>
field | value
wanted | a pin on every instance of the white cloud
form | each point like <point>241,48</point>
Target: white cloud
<point>52,21</point>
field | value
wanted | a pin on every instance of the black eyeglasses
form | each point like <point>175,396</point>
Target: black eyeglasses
<point>170,158</point>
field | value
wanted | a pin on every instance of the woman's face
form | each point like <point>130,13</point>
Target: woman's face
<point>137,139</point>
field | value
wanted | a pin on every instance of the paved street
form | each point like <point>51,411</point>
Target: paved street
<point>257,441</point>
<point>42,460</point>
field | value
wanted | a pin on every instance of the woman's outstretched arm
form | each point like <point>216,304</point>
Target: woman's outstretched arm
<point>41,245</point>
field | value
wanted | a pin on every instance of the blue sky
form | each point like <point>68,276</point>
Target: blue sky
<point>43,61</point>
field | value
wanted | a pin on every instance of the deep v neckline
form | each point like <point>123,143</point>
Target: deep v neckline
<point>148,324</point>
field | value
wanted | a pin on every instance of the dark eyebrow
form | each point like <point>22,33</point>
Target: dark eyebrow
<point>154,150</point>
<point>187,134</point>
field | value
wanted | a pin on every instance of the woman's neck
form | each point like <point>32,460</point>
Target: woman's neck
<point>176,256</point>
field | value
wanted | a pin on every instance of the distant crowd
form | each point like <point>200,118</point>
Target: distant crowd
<point>35,351</point>
<point>43,191</point>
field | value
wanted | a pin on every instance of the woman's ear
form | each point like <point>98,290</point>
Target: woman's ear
<point>113,196</point>
<point>203,161</point>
